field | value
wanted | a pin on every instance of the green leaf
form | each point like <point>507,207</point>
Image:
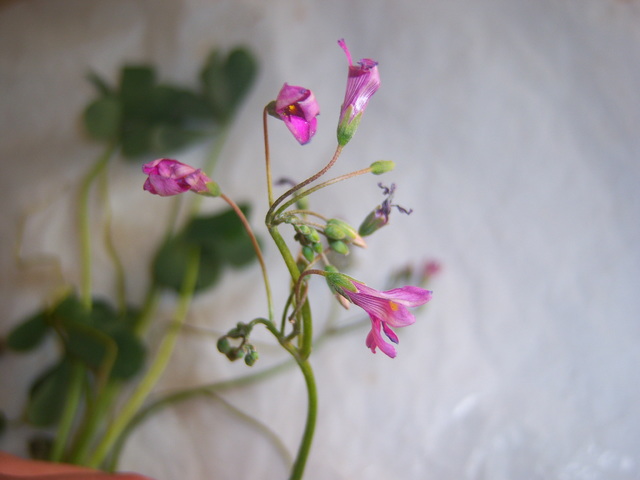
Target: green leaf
<point>136,83</point>
<point>29,334</point>
<point>170,264</point>
<point>100,84</point>
<point>135,138</point>
<point>227,80</point>
<point>48,394</point>
<point>131,355</point>
<point>175,106</point>
<point>87,344</point>
<point>102,118</point>
<point>165,138</point>
<point>224,234</point>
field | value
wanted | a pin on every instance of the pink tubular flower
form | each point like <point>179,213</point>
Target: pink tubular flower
<point>298,108</point>
<point>363,81</point>
<point>170,177</point>
<point>386,309</point>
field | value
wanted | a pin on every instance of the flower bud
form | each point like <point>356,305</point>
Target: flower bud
<point>382,166</point>
<point>308,253</point>
<point>350,233</point>
<point>334,232</point>
<point>223,345</point>
<point>340,247</point>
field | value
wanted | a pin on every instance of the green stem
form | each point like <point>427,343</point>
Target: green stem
<point>156,370</point>
<point>306,339</point>
<point>85,227</point>
<point>312,413</point>
<point>71,406</point>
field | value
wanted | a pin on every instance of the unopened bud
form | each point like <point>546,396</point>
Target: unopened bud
<point>340,247</point>
<point>308,253</point>
<point>334,232</point>
<point>382,166</point>
<point>223,345</point>
<point>350,232</point>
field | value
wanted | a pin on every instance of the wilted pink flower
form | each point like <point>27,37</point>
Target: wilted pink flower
<point>170,177</point>
<point>363,81</point>
<point>386,309</point>
<point>298,108</point>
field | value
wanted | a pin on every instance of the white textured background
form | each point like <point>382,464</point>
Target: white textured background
<point>516,129</point>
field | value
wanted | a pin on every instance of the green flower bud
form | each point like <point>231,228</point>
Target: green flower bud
<point>303,229</point>
<point>334,232</point>
<point>308,253</point>
<point>318,247</point>
<point>340,247</point>
<point>223,345</point>
<point>382,166</point>
<point>313,235</point>
<point>251,358</point>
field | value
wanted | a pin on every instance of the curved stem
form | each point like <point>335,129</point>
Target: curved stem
<point>306,182</point>
<point>84,226</point>
<point>256,248</point>
<point>147,383</point>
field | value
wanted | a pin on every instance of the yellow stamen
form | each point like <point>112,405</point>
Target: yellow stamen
<point>393,305</point>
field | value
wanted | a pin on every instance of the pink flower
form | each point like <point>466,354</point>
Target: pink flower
<point>170,177</point>
<point>298,108</point>
<point>386,309</point>
<point>362,82</point>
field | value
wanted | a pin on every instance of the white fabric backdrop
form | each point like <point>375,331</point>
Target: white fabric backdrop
<point>515,127</point>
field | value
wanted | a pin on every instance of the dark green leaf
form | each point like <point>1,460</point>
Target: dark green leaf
<point>87,344</point>
<point>69,309</point>
<point>175,106</point>
<point>166,139</point>
<point>170,264</point>
<point>227,80</point>
<point>130,357</point>
<point>135,138</point>
<point>225,234</point>
<point>48,395</point>
<point>102,118</point>
<point>136,84</point>
<point>29,334</point>
<point>101,86</point>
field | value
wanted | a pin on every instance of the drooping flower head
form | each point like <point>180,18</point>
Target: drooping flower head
<point>362,82</point>
<point>386,309</point>
<point>168,177</point>
<point>379,217</point>
<point>298,108</point>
